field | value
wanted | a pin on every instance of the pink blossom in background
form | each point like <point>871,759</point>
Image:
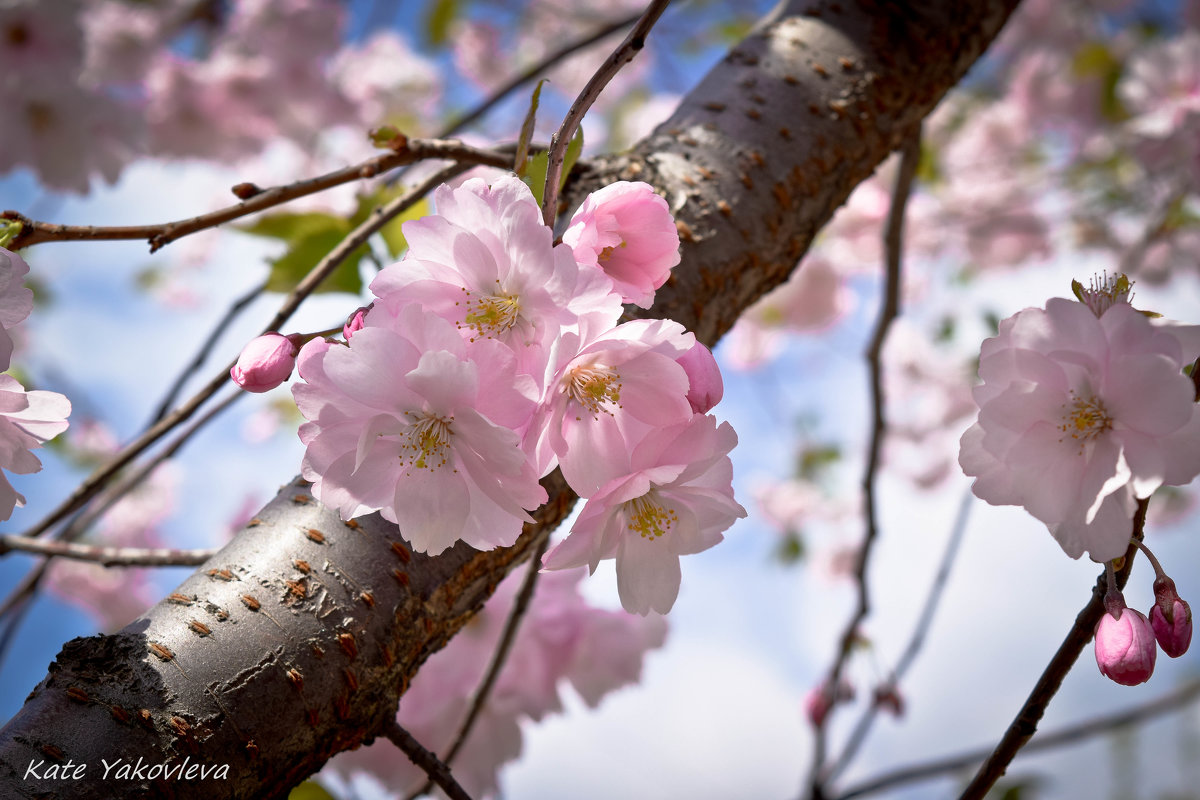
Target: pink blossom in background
<point>266,362</point>
<point>813,298</point>
<point>408,422</point>
<point>388,81</point>
<point>1161,88</point>
<point>561,640</point>
<point>116,595</point>
<point>675,499</point>
<point>16,301</point>
<point>628,231</point>
<point>606,396</point>
<point>27,420</point>
<point>486,262</point>
<point>477,53</point>
<point>1078,417</point>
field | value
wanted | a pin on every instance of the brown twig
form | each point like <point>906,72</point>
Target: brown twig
<point>1175,701</point>
<point>435,768</point>
<point>92,485</point>
<point>1024,725</point>
<point>35,232</point>
<point>106,556</point>
<point>859,734</point>
<point>499,657</point>
<point>624,53</point>
<point>889,310</point>
<point>537,69</point>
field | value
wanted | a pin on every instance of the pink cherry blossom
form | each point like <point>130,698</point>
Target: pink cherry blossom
<point>1079,416</point>
<point>27,420</point>
<point>562,639</point>
<point>486,262</point>
<point>628,231</point>
<point>675,499</point>
<point>1161,87</point>
<point>1170,616</point>
<point>266,362</point>
<point>15,301</point>
<point>605,397</point>
<point>407,422</point>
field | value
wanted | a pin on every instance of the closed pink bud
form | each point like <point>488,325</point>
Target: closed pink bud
<point>1172,628</point>
<point>266,362</point>
<point>823,698</point>
<point>355,322</point>
<point>1125,648</point>
<point>705,387</point>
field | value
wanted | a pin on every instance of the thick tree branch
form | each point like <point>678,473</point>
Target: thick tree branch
<point>753,163</point>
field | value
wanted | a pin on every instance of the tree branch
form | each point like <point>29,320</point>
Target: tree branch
<point>749,194</point>
<point>161,234</point>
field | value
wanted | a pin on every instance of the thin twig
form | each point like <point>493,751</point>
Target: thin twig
<point>537,69</point>
<point>377,219</point>
<point>436,769</point>
<point>1024,725</point>
<point>624,53</point>
<point>499,657</point>
<point>924,621</point>
<point>107,556</point>
<point>1175,701</point>
<point>205,350</point>
<point>889,310</point>
<point>35,232</point>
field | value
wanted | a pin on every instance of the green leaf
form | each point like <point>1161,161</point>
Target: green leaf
<point>791,550</point>
<point>536,166</point>
<point>527,132</point>
<point>310,236</point>
<point>9,230</point>
<point>310,790</point>
<point>439,16</point>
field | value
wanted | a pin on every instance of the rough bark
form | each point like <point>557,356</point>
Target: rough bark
<point>298,638</point>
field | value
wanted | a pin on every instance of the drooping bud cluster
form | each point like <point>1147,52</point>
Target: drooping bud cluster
<point>1125,639</point>
<point>490,356</point>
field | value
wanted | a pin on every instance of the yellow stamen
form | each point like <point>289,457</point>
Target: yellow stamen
<point>594,388</point>
<point>648,517</point>
<point>427,442</point>
<point>1084,419</point>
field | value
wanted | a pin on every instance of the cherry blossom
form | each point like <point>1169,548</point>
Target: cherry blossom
<point>15,301</point>
<point>705,387</point>
<point>627,230</point>
<point>1080,415</point>
<point>676,498</point>
<point>605,397</point>
<point>407,422</point>
<point>487,263</point>
<point>27,420</point>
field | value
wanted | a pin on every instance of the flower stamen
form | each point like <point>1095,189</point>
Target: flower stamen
<point>426,443</point>
<point>649,518</point>
<point>595,388</point>
<point>1084,419</point>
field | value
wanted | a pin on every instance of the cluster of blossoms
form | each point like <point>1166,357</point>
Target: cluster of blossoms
<point>490,356</point>
<point>1084,409</point>
<point>27,419</point>
<point>563,640</point>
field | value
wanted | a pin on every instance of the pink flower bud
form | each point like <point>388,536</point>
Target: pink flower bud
<point>1171,618</point>
<point>705,387</point>
<point>821,699</point>
<point>888,698</point>
<point>355,322</point>
<point>266,362</point>
<point>1125,648</point>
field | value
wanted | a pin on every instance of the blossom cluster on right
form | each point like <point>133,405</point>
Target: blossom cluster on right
<point>489,357</point>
